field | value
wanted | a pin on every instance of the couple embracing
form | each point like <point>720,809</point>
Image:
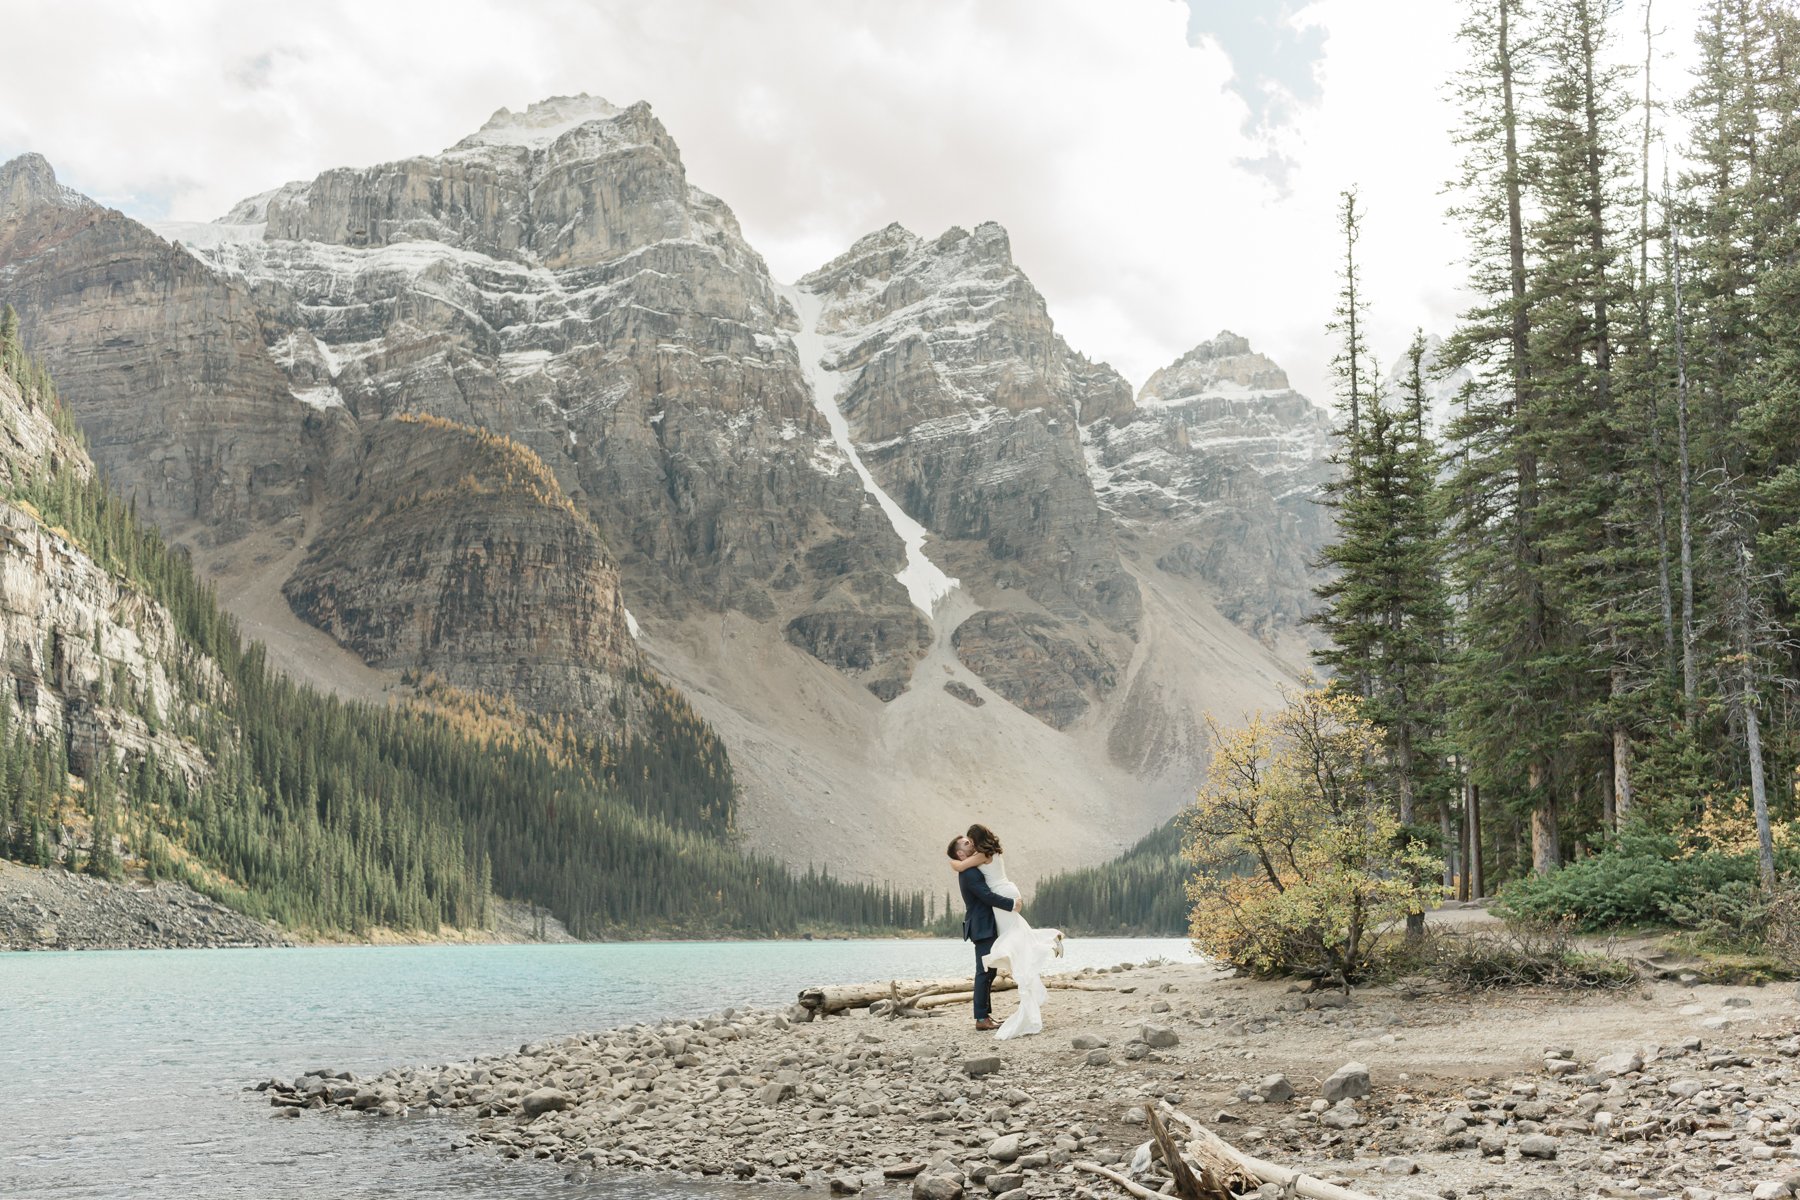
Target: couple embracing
<point>995,921</point>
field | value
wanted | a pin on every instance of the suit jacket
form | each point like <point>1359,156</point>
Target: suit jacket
<point>979,903</point>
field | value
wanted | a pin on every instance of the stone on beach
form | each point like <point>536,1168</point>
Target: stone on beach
<point>1622,1063</point>
<point>546,1100</point>
<point>1275,1089</point>
<point>1350,1081</point>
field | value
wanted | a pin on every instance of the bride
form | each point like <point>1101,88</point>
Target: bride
<point>1019,948</point>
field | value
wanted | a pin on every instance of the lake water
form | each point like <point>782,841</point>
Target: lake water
<point>121,1071</point>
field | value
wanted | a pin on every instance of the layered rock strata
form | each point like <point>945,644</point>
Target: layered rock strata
<point>1215,474</point>
<point>164,358</point>
<point>964,401</point>
<point>454,551</point>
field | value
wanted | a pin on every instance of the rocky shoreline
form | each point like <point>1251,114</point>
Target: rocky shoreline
<point>54,909</point>
<point>1665,1091</point>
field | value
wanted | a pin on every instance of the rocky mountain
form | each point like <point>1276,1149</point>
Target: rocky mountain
<point>1215,472</point>
<point>914,557</point>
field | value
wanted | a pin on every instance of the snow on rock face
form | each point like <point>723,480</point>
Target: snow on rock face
<point>553,278</point>
<point>1219,367</point>
<point>578,183</point>
<point>29,180</point>
<point>1218,469</point>
<point>964,405</point>
<point>540,124</point>
<point>923,580</point>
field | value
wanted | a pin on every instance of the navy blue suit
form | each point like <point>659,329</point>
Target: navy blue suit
<point>979,903</point>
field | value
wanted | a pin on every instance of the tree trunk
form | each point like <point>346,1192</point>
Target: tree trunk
<point>1643,299</point>
<point>1452,849</point>
<point>1690,678</point>
<point>1546,854</point>
<point>838,997</point>
<point>1472,824</point>
<point>1621,777</point>
<point>1608,814</point>
<point>1403,751</point>
<point>1759,798</point>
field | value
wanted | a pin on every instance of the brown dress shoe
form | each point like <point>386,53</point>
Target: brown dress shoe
<point>990,1023</point>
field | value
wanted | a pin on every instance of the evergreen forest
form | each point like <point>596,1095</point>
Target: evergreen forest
<point>328,815</point>
<point>1138,894</point>
<point>1569,597</point>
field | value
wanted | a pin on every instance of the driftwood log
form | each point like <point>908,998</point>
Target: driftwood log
<point>838,997</point>
<point>1136,1189</point>
<point>1189,1184</point>
<point>1213,1154</point>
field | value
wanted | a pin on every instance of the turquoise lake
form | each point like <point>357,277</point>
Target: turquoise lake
<point>121,1071</point>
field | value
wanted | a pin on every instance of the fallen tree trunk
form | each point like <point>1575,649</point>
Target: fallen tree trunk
<point>838,997</point>
<point>1226,1161</point>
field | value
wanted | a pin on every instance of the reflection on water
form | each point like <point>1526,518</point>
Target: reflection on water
<point>121,1071</point>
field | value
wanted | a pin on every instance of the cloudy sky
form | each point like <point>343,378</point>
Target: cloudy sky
<point>1167,168</point>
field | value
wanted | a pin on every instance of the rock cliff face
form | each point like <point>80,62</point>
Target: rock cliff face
<point>848,512</point>
<point>454,551</point>
<point>166,358</point>
<point>1215,475</point>
<point>86,657</point>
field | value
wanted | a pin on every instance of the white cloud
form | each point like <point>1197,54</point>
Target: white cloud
<point>1103,139</point>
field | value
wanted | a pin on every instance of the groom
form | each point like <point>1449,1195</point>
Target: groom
<point>979,903</point>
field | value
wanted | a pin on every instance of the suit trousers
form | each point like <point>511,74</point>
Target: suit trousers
<point>984,980</point>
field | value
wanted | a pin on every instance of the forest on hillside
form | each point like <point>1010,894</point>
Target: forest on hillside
<point>327,814</point>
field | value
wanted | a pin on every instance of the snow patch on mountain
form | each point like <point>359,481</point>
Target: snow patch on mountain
<point>540,124</point>
<point>923,580</point>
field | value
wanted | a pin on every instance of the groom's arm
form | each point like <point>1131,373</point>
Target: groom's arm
<point>975,882</point>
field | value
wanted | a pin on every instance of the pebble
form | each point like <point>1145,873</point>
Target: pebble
<point>1538,1145</point>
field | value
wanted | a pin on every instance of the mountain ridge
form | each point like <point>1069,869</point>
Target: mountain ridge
<point>1120,563</point>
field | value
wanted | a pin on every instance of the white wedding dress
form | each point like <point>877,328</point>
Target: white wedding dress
<point>1021,950</point>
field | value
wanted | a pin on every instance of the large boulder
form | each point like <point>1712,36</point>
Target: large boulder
<point>1348,1082</point>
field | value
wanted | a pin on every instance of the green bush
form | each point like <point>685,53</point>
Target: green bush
<point>1639,878</point>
